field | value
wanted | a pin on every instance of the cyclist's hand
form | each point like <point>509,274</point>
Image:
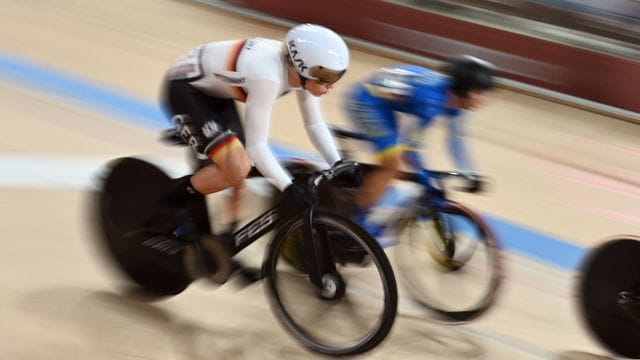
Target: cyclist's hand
<point>476,184</point>
<point>353,176</point>
<point>436,198</point>
<point>294,200</point>
<point>435,192</point>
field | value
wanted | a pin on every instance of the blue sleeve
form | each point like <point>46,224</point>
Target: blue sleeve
<point>415,161</point>
<point>457,145</point>
<point>429,104</point>
<point>413,157</point>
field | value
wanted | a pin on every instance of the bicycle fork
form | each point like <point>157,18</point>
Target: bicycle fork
<point>319,257</point>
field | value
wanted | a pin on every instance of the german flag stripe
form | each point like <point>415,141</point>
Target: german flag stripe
<point>232,62</point>
<point>223,148</point>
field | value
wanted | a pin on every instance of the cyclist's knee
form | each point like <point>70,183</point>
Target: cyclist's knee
<point>235,165</point>
<point>391,161</point>
<point>240,168</point>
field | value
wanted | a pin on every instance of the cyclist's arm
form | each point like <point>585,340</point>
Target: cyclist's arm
<point>261,96</point>
<point>413,156</point>
<point>316,127</point>
<point>457,145</point>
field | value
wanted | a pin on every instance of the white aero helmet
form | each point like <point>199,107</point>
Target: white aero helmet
<point>317,53</point>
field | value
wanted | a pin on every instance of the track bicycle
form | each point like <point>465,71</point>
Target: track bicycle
<point>446,255</point>
<point>331,308</point>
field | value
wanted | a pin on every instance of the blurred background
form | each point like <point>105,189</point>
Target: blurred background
<point>598,22</point>
<point>79,83</point>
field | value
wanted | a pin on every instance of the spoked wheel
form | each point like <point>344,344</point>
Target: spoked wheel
<point>609,295</point>
<point>355,306</point>
<point>125,199</point>
<point>449,262</point>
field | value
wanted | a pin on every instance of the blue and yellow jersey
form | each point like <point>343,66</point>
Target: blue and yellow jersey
<point>410,89</point>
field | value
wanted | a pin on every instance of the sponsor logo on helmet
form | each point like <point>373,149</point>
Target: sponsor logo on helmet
<point>299,63</point>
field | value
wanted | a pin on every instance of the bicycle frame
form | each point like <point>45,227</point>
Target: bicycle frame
<point>406,207</point>
<point>414,177</point>
<point>272,219</point>
<point>317,257</point>
<point>255,229</point>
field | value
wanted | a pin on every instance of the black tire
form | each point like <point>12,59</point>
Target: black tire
<point>609,269</point>
<point>126,197</point>
<point>461,282</point>
<point>281,276</point>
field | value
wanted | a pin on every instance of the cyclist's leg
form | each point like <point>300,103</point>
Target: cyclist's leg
<point>219,123</point>
<point>201,121</point>
<point>234,205</point>
<point>376,182</point>
<point>230,121</point>
<point>377,120</point>
<point>204,123</point>
<point>374,118</point>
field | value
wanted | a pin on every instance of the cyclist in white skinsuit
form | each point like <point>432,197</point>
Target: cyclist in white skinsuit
<point>254,71</point>
<point>201,90</point>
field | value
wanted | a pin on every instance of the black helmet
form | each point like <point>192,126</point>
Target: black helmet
<point>469,73</point>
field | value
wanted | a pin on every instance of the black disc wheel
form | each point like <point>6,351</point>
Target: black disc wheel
<point>608,291</point>
<point>125,199</point>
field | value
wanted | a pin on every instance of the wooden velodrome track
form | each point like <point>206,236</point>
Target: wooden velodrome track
<point>564,176</point>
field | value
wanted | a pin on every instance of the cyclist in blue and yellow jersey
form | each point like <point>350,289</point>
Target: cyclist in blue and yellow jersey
<point>424,94</point>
